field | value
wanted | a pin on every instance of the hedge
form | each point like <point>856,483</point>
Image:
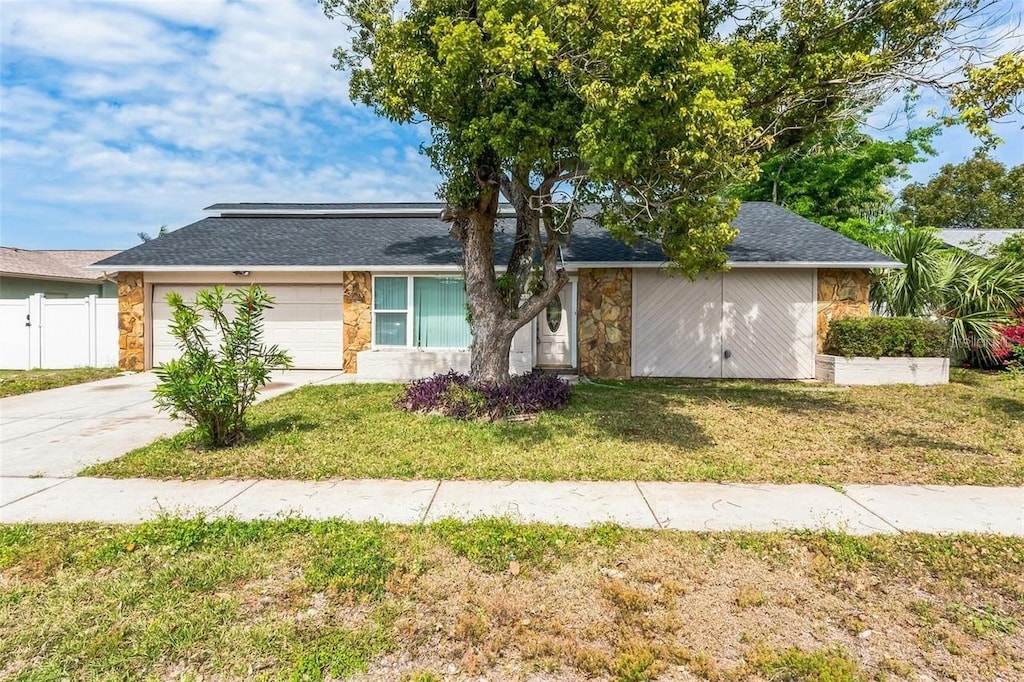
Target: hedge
<point>887,337</point>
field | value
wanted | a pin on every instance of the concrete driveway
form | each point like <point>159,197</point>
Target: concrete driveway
<point>59,432</point>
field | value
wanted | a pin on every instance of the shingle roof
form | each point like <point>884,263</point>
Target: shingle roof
<point>767,234</point>
<point>61,264</point>
<point>978,242</point>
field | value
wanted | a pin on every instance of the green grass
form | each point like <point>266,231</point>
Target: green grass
<point>301,600</point>
<point>17,382</point>
<point>968,432</point>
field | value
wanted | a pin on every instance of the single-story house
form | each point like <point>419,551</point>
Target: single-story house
<point>376,289</point>
<point>55,274</point>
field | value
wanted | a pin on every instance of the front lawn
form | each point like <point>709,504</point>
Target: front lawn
<point>225,600</point>
<point>971,431</point>
<point>18,381</point>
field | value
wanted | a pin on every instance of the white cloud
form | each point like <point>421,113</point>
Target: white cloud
<point>124,115</point>
<point>78,34</point>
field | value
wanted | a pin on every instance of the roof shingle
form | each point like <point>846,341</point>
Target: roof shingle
<point>59,264</point>
<point>767,235</point>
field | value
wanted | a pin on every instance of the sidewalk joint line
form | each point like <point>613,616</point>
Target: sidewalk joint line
<point>872,512</point>
<point>49,487</point>
<point>431,503</point>
<point>235,496</point>
<point>649,507</point>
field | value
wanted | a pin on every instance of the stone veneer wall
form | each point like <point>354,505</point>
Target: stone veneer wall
<point>357,308</point>
<point>841,293</point>
<point>605,322</point>
<point>131,321</point>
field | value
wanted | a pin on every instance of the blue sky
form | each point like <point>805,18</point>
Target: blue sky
<point>121,116</point>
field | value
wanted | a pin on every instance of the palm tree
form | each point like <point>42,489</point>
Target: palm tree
<point>972,295</point>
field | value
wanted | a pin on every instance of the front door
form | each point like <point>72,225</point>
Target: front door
<point>554,330</point>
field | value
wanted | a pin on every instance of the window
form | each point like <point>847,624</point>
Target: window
<point>436,317</point>
<point>391,311</point>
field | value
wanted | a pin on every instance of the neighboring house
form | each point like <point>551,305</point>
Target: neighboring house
<point>978,242</point>
<point>55,274</point>
<point>376,289</point>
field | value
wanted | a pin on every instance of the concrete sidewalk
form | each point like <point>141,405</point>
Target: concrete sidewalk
<point>858,509</point>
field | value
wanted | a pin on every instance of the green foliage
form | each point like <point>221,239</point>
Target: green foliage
<point>840,182</point>
<point>988,94</point>
<point>20,381</point>
<point>355,558</point>
<point>978,194</point>
<point>888,337</point>
<point>982,621</point>
<point>1010,249</point>
<point>616,98</point>
<point>493,543</point>
<point>794,665</point>
<point>216,379</point>
<point>145,236</point>
<point>973,296</point>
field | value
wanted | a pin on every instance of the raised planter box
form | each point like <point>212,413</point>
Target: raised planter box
<point>834,369</point>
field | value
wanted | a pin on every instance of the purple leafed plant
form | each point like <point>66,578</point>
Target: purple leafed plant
<point>451,395</point>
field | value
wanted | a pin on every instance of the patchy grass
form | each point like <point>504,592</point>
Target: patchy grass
<point>17,382</point>
<point>184,599</point>
<point>969,432</point>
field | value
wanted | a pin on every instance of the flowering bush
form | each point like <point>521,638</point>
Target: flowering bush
<point>1010,346</point>
<point>451,395</point>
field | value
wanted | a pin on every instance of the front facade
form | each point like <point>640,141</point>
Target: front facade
<point>375,290</point>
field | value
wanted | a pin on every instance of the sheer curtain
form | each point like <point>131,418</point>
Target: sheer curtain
<point>439,313</point>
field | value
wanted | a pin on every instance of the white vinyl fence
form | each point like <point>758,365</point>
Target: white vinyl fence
<point>37,332</point>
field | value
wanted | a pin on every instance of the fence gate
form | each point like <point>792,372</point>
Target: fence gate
<point>58,333</point>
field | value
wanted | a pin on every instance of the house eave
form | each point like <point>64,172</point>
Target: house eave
<point>53,278</point>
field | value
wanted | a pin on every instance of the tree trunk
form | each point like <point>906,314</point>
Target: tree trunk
<point>495,316</point>
<point>489,356</point>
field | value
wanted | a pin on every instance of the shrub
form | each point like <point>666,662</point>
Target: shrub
<point>451,395</point>
<point>890,337</point>
<point>214,382</point>
<point>1010,343</point>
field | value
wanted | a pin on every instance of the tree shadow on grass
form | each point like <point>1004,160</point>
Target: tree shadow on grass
<point>264,429</point>
<point>642,412</point>
<point>1011,407</point>
<point>902,438</point>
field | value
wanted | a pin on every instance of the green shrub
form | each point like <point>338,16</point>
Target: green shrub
<point>215,380</point>
<point>887,337</point>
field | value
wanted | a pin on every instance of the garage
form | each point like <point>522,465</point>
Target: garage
<point>755,323</point>
<point>306,321</point>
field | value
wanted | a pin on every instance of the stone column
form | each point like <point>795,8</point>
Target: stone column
<point>605,322</point>
<point>131,321</point>
<point>357,309</point>
<point>841,293</point>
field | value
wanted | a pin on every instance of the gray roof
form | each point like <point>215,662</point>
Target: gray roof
<point>768,234</point>
<point>978,242</point>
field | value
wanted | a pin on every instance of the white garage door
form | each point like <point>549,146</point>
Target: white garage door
<point>677,325</point>
<point>306,321</point>
<point>755,324</point>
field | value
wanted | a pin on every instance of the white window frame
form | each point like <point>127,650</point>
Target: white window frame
<point>409,318</point>
<point>407,311</point>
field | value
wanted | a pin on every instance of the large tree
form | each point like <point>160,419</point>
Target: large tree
<point>644,110</point>
<point>841,182</point>
<point>980,193</point>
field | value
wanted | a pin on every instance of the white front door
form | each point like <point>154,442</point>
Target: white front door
<point>554,330</point>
